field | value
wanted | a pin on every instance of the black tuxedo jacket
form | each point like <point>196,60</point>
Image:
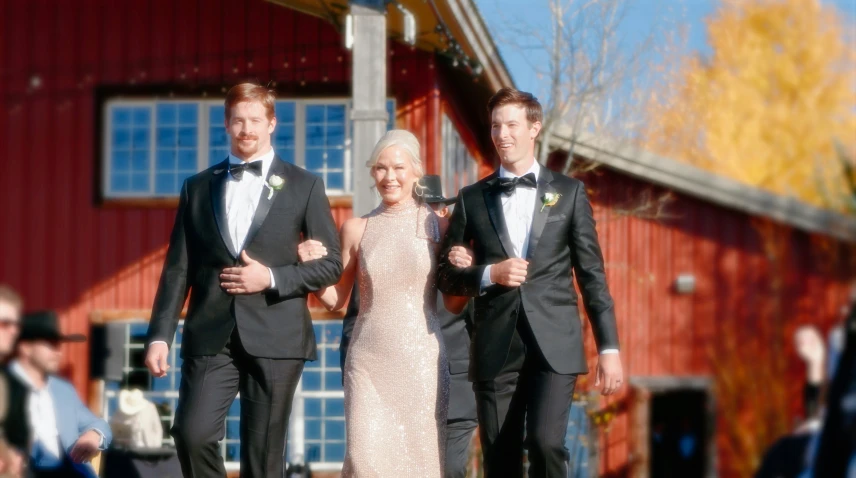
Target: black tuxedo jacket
<point>16,427</point>
<point>272,324</point>
<point>562,239</point>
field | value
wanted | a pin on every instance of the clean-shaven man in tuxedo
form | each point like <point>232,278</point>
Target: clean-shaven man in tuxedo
<point>248,329</point>
<point>528,229</point>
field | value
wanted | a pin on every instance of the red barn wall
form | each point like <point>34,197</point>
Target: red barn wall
<point>62,249</point>
<point>666,334</point>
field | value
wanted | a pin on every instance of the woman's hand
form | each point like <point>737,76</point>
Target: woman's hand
<point>310,250</point>
<point>460,257</point>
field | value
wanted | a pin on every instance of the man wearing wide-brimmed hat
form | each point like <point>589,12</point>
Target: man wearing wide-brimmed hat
<point>65,434</point>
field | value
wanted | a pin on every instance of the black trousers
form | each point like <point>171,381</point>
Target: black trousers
<point>209,385</point>
<point>526,393</point>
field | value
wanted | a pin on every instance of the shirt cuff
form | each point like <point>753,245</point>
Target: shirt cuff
<point>101,444</point>
<point>158,342</point>
<point>272,280</point>
<point>608,351</point>
<point>485,281</point>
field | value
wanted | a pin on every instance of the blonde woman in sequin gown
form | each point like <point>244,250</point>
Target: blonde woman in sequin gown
<point>396,373</point>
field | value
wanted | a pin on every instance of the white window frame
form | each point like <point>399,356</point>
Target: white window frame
<point>204,123</point>
<point>297,423</point>
<point>449,165</point>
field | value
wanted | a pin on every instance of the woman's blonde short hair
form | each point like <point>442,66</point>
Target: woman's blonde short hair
<point>403,139</point>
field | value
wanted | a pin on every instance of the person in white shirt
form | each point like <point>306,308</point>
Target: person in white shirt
<point>531,232</point>
<point>65,434</point>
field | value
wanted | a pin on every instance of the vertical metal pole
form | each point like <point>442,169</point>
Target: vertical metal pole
<point>368,85</point>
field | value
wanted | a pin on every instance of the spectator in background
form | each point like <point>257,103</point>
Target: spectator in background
<point>66,435</point>
<point>14,436</point>
<point>788,456</point>
<point>837,443</point>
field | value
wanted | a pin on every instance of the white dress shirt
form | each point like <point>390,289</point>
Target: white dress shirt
<point>242,200</point>
<point>518,208</point>
<point>42,415</point>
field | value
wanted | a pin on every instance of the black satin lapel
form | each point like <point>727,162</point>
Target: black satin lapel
<point>266,200</point>
<point>539,218</point>
<point>493,202</point>
<point>218,203</point>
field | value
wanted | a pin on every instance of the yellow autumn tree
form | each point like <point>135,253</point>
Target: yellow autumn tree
<point>768,105</point>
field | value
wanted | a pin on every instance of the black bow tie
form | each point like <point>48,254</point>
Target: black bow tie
<point>237,170</point>
<point>507,185</point>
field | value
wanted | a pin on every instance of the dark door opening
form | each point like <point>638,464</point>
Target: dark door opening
<point>678,437</point>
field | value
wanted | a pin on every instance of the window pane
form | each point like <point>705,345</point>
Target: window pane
<point>336,181</point>
<point>140,162</point>
<point>164,183</point>
<point>285,112</point>
<point>187,137</point>
<point>315,113</point>
<point>121,117</point>
<point>311,380</point>
<point>312,407</point>
<point>233,452</point>
<point>166,137</point>
<point>331,356</point>
<point>334,407</point>
<point>166,114</point>
<point>218,138</point>
<point>141,138</point>
<point>187,160</point>
<point>140,182</point>
<point>314,159</point>
<point>314,135</point>
<point>284,136</point>
<point>336,114</point>
<point>333,380</point>
<point>142,117</point>
<point>121,138</point>
<point>335,135</point>
<point>165,160</point>
<point>120,182</point>
<point>313,429</point>
<point>121,161</point>
<point>336,159</point>
<point>187,114</point>
<point>334,452</point>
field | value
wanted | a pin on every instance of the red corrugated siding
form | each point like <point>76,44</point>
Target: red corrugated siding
<point>65,253</point>
<point>663,333</point>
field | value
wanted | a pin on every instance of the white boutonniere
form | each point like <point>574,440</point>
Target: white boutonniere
<point>275,183</point>
<point>549,200</point>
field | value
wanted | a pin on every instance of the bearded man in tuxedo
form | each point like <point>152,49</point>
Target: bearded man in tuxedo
<point>248,329</point>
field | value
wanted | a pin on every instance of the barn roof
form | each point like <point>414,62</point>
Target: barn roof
<point>461,17</point>
<point>706,186</point>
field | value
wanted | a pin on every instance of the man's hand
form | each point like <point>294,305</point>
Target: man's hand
<point>251,278</point>
<point>609,372</point>
<point>156,359</point>
<point>311,250</point>
<point>510,272</point>
<point>86,447</point>
<point>460,257</point>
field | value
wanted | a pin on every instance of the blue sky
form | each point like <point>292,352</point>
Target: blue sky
<point>643,18</point>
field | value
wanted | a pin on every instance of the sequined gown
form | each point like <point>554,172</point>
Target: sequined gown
<point>396,373</point>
